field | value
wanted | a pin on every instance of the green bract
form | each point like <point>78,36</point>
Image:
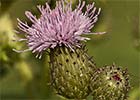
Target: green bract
<point>71,72</point>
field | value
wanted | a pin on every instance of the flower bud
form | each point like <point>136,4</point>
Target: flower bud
<point>110,83</point>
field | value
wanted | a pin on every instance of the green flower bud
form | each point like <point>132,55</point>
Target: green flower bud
<point>71,72</point>
<point>110,83</point>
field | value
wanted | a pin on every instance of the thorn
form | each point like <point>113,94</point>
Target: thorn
<point>113,64</point>
<point>90,58</point>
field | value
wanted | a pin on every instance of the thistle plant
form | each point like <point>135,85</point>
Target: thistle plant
<point>73,73</point>
<point>110,83</point>
<point>59,32</point>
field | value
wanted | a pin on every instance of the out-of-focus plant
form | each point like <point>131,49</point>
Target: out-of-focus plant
<point>134,94</point>
<point>36,2</point>
<point>136,33</point>
<point>5,5</point>
<point>7,56</point>
<point>12,65</point>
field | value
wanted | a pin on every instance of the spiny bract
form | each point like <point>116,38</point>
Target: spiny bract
<point>110,83</point>
<point>71,72</point>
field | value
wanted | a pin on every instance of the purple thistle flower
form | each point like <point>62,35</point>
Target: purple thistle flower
<point>60,26</point>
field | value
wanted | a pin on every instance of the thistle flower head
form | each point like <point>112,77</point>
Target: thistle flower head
<point>59,26</point>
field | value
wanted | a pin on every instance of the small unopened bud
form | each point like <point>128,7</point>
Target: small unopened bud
<point>110,83</point>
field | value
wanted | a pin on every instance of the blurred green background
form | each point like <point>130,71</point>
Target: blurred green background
<point>22,76</point>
